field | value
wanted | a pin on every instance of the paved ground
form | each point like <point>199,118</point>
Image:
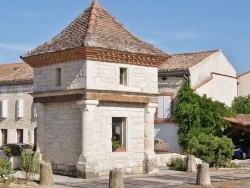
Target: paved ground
<point>166,178</point>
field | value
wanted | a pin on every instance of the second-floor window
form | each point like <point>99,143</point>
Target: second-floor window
<point>58,77</point>
<point>123,76</point>
<point>19,108</point>
<point>4,108</point>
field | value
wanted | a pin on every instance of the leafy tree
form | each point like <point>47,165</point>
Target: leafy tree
<point>241,104</point>
<point>199,114</point>
<point>212,149</point>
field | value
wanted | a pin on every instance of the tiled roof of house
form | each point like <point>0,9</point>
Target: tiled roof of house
<point>95,27</point>
<point>182,62</point>
<point>16,73</point>
<point>241,121</point>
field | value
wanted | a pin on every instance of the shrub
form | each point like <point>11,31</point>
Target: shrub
<point>212,149</point>
<point>6,170</point>
<point>29,163</point>
<point>177,163</point>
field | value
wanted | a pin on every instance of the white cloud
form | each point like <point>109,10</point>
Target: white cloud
<point>16,47</point>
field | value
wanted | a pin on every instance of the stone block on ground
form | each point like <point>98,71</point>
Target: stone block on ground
<point>46,175</point>
<point>203,175</point>
<point>115,179</point>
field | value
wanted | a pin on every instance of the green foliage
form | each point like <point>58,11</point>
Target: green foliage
<point>199,114</point>
<point>5,171</point>
<point>115,144</point>
<point>241,104</point>
<point>29,164</point>
<point>177,163</point>
<point>212,149</point>
<point>5,167</point>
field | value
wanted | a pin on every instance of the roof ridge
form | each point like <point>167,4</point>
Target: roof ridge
<point>242,74</point>
<point>92,20</point>
<point>135,37</point>
<point>189,53</point>
<point>13,63</point>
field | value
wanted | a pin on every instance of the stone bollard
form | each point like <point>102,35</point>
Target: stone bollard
<point>191,166</point>
<point>46,175</point>
<point>203,175</point>
<point>115,179</point>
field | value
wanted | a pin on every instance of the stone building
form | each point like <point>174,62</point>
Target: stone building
<point>17,112</point>
<point>96,84</point>
<point>210,73</point>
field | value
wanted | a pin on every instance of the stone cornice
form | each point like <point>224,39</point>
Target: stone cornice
<point>97,54</point>
<point>83,94</point>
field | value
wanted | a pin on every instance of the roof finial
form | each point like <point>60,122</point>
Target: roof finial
<point>95,1</point>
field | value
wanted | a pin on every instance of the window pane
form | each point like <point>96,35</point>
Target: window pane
<point>119,130</point>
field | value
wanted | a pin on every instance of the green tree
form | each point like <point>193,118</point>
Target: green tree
<point>199,114</point>
<point>241,104</point>
<point>29,164</point>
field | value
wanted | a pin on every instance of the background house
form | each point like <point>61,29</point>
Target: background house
<point>93,83</point>
<point>243,84</point>
<point>210,73</point>
<point>17,112</point>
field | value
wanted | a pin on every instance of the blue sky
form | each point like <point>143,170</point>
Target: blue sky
<point>175,26</point>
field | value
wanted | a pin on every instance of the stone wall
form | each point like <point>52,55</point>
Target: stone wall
<point>12,123</point>
<point>170,84</point>
<point>105,76</point>
<point>165,159</point>
<point>73,76</point>
<point>96,75</point>
<point>131,161</point>
<point>62,139</point>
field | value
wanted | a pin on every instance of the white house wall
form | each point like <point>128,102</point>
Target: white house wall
<point>217,63</point>
<point>220,88</point>
<point>244,84</point>
<point>168,133</point>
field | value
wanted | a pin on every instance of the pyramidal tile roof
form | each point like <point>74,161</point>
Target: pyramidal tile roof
<point>182,62</point>
<point>16,73</point>
<point>95,27</point>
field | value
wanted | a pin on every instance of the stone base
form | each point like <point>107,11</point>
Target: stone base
<point>150,163</point>
<point>86,173</point>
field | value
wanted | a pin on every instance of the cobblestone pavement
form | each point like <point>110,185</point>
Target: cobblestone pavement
<point>165,179</point>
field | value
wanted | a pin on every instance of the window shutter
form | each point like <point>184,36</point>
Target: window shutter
<point>19,108</point>
<point>4,108</point>
<point>167,109</point>
<point>160,107</point>
<point>164,107</point>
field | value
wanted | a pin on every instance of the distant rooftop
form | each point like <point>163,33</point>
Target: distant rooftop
<point>16,73</point>
<point>182,62</point>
